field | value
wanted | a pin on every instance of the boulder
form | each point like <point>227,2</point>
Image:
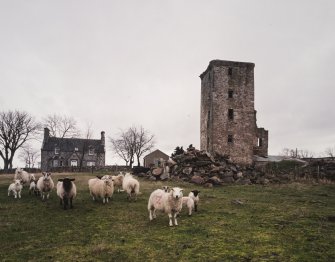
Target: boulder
<point>157,171</point>
<point>197,180</point>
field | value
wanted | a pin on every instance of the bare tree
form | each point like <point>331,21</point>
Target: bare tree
<point>304,153</point>
<point>144,142</point>
<point>29,155</point>
<point>124,146</point>
<point>16,128</point>
<point>330,152</point>
<point>132,143</point>
<point>61,126</point>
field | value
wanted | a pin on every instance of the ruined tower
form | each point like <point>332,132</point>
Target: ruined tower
<point>228,116</point>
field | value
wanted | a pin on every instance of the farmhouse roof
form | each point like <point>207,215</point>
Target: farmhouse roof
<point>156,151</point>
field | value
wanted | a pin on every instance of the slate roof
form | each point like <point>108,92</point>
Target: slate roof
<point>69,144</point>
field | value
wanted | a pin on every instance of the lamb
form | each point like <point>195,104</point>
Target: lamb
<point>45,184</point>
<point>170,203</point>
<point>32,186</point>
<point>66,190</point>
<point>118,180</point>
<point>194,194</point>
<point>189,202</point>
<point>24,176</point>
<point>131,186</point>
<point>15,188</point>
<point>166,189</point>
<point>101,187</point>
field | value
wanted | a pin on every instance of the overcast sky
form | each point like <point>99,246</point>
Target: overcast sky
<point>115,64</point>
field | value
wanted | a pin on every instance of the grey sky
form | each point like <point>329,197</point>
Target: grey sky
<point>121,63</point>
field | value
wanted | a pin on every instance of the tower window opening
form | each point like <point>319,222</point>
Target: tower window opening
<point>230,71</point>
<point>260,142</point>
<point>208,118</point>
<point>230,139</point>
<point>231,114</point>
<point>230,93</point>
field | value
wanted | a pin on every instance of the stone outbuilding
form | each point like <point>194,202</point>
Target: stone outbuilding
<point>155,158</point>
<point>228,116</point>
<point>67,152</point>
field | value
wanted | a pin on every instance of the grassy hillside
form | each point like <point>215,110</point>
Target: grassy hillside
<point>275,223</point>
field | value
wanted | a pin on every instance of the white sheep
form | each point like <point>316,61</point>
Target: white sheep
<point>24,176</point>
<point>15,188</point>
<point>45,184</point>
<point>189,203</point>
<point>131,186</point>
<point>170,203</point>
<point>66,190</point>
<point>101,187</point>
<point>194,194</point>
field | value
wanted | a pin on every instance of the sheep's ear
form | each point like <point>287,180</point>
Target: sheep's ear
<point>60,179</point>
<point>99,177</point>
<point>181,190</point>
<point>172,189</point>
<point>72,179</point>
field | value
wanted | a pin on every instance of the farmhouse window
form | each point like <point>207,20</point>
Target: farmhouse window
<point>91,151</point>
<point>74,162</point>
<point>55,163</point>
<point>90,163</point>
<point>56,150</point>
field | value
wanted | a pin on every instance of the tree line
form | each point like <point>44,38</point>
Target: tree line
<point>18,128</point>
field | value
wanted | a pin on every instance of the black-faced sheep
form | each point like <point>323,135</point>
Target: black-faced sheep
<point>45,184</point>
<point>66,190</point>
<point>170,203</point>
<point>15,188</point>
<point>194,194</point>
<point>131,186</point>
<point>101,187</point>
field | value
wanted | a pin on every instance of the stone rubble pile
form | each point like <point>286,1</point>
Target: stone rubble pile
<point>202,168</point>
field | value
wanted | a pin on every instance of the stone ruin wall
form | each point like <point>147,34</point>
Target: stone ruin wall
<point>217,80</point>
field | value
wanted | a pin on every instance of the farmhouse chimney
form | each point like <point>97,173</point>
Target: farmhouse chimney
<point>103,138</point>
<point>46,134</point>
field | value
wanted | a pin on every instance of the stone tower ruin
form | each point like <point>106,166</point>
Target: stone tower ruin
<point>228,116</point>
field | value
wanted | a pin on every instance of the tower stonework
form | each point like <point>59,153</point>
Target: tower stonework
<point>228,116</point>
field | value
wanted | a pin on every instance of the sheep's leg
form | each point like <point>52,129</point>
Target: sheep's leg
<point>71,206</point>
<point>103,200</point>
<point>170,220</point>
<point>150,215</point>
<point>195,207</point>
<point>19,193</point>
<point>15,194</point>
<point>175,219</point>
<point>8,192</point>
<point>66,202</point>
<point>106,199</point>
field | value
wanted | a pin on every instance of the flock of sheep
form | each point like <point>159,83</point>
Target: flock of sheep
<point>167,200</point>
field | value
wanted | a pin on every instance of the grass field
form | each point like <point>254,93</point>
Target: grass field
<point>276,223</point>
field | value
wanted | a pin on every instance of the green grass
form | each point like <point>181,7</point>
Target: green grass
<point>275,223</point>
